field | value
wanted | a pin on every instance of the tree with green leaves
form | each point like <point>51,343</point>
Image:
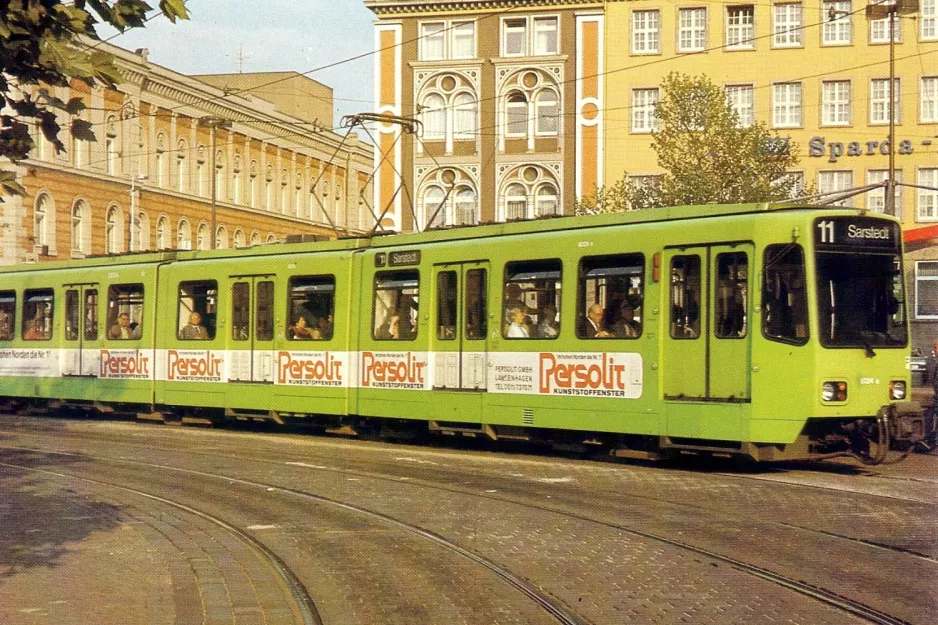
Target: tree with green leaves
<point>707,155</point>
<point>45,44</point>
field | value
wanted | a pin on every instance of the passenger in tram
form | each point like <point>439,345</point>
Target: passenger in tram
<point>6,327</point>
<point>547,326</point>
<point>122,329</point>
<point>625,326</point>
<point>391,328</point>
<point>516,326</point>
<point>33,333</point>
<point>194,329</point>
<point>300,331</point>
<point>593,327</point>
<point>326,326</point>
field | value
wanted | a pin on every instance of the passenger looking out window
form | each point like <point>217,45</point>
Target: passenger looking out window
<point>198,307</point>
<point>7,310</point>
<point>37,314</point>
<point>611,291</point>
<point>784,300</point>
<point>532,299</point>
<point>125,311</point>
<point>194,330</point>
<point>685,297</point>
<point>396,299</point>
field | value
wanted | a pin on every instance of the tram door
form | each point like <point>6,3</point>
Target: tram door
<point>460,325</point>
<point>81,328</point>
<point>706,346</point>
<point>251,337</point>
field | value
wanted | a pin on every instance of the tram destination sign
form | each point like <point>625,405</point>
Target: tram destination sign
<point>851,233</point>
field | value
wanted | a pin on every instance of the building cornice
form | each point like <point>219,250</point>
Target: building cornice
<point>397,7</point>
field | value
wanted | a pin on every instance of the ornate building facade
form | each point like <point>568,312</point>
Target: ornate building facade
<point>146,182</point>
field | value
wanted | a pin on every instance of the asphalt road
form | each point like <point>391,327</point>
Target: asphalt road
<point>114,522</point>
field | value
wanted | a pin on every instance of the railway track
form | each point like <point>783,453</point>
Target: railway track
<point>557,610</point>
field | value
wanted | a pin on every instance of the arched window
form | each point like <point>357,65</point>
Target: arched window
<point>182,166</point>
<point>184,235</point>
<point>221,238</point>
<point>200,179</point>
<point>201,237</point>
<point>269,187</point>
<point>464,207</point>
<point>546,201</point>
<point>432,200</point>
<point>239,238</point>
<point>142,232</point>
<point>43,214</point>
<point>547,112</point>
<point>464,116</point>
<point>162,161</point>
<point>162,233</point>
<point>434,117</point>
<point>220,186</point>
<point>516,202</point>
<point>516,115</point>
<point>271,238</point>
<point>255,238</point>
<point>78,228</point>
<point>112,231</point>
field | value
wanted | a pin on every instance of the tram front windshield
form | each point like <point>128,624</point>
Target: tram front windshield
<point>860,291</point>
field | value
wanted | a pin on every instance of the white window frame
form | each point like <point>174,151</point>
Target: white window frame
<point>644,120</point>
<point>462,30</point>
<point>879,101</point>
<point>546,194</point>
<point>530,42</point>
<point>787,112</point>
<point>928,100</point>
<point>836,103</point>
<point>437,37</point>
<point>928,18</point>
<point>920,278</point>
<point>523,115</point>
<point>646,31</point>
<point>433,116</point>
<point>744,106</point>
<point>546,117</point>
<point>926,177</point>
<point>740,27</point>
<point>464,117</point>
<point>516,199</point>
<point>695,28</point>
<point>840,180</point>
<point>879,29</point>
<point>839,31</point>
<point>545,24</point>
<point>788,25</point>
<point>506,30</point>
<point>876,198</point>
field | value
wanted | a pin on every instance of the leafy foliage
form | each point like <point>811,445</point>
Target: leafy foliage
<point>707,157</point>
<point>49,43</point>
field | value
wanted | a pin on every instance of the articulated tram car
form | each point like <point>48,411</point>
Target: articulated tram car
<point>762,330</point>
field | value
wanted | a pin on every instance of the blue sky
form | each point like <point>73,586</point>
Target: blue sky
<point>274,35</point>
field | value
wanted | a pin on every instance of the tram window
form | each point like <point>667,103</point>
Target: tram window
<point>312,306</point>
<point>531,299</point>
<point>264,324</point>
<point>241,311</point>
<point>685,297</point>
<point>7,312</point>
<point>784,300</point>
<point>72,315</point>
<point>446,293</point>
<point>124,311</point>
<point>476,304</point>
<point>611,293</point>
<point>395,305</point>
<point>732,295</point>
<point>37,314</point>
<point>198,308</point>
<point>91,315</point>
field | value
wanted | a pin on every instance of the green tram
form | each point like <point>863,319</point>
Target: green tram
<point>768,331</point>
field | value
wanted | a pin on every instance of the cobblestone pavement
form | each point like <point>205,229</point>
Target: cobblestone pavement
<point>604,540</point>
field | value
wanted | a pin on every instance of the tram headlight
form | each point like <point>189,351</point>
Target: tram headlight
<point>834,391</point>
<point>897,389</point>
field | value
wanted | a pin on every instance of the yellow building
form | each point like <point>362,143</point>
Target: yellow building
<point>146,181</point>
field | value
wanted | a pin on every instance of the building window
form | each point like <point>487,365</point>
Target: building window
<point>253,183</point>
<point>239,238</point>
<point>111,148</point>
<point>435,216</point>
<point>545,201</point>
<point>834,182</point>
<point>201,237</point>
<point>786,105</point>
<point>112,231</point>
<point>516,114</point>
<point>839,30</point>
<point>926,289</point>
<point>162,233</point>
<point>182,171</point>
<point>41,219</point>
<point>643,110</point>
<point>927,194</point>
<point>928,105</point>
<point>433,41</point>
<point>879,29</point>
<point>645,32</point>
<point>928,17</point>
<point>547,113</point>
<point>516,202</point>
<point>879,101</point>
<point>77,228</point>
<point>464,116</point>
<point>742,99</point>
<point>255,238</point>
<point>464,40</point>
<point>465,207</point>
<point>269,188</point>
<point>221,238</point>
<point>544,41</point>
<point>787,26</point>
<point>876,198</point>
<point>433,114</point>
<point>740,28</point>
<point>692,30</point>
<point>835,103</point>
<point>184,236</point>
<point>283,191</point>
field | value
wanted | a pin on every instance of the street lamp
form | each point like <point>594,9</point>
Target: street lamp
<point>214,123</point>
<point>892,9</point>
<point>133,209</point>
